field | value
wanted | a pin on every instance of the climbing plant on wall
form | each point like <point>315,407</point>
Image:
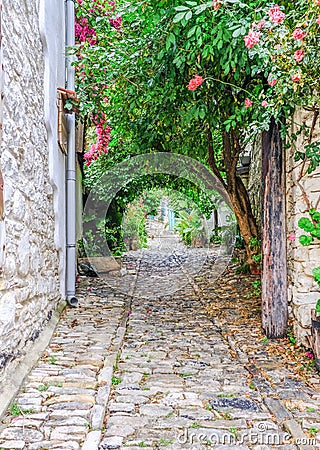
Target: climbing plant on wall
<point>289,36</point>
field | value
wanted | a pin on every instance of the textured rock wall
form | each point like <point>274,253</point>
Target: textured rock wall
<point>29,285</point>
<point>303,291</point>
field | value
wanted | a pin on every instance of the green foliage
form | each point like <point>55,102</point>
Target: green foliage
<point>43,387</point>
<point>277,43</point>
<point>148,65</point>
<point>52,359</point>
<point>297,80</point>
<point>141,73</point>
<point>311,226</point>
<point>134,225</point>
<point>15,410</point>
<point>313,431</point>
<point>291,337</point>
<point>115,380</point>
<point>255,246</point>
<point>190,226</point>
<point>166,442</point>
<point>311,154</point>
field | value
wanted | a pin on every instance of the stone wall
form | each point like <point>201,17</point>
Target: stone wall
<point>29,285</point>
<point>303,291</point>
<point>254,181</point>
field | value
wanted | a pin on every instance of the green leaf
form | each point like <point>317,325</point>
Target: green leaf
<point>200,9</point>
<point>181,8</point>
<point>316,274</point>
<point>306,224</point>
<point>188,15</point>
<point>316,232</point>
<point>318,307</point>
<point>68,105</point>
<point>305,240</point>
<point>202,113</point>
<point>315,215</point>
<point>178,17</point>
<point>171,39</point>
<point>237,32</point>
<point>192,31</point>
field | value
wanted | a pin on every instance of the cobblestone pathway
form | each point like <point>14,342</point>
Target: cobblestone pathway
<point>129,369</point>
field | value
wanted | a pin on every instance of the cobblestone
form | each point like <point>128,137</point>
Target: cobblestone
<point>126,370</point>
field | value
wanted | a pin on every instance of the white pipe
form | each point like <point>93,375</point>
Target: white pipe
<point>71,164</point>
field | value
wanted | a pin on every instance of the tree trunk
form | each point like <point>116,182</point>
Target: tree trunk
<point>234,186</point>
<point>274,253</point>
<point>242,209</point>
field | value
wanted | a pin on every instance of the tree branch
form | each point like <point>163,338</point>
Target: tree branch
<point>211,157</point>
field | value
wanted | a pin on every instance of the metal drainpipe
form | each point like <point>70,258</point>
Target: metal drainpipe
<point>71,166</point>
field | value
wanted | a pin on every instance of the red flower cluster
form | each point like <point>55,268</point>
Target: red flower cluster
<point>84,32</point>
<point>299,55</point>
<point>296,77</point>
<point>216,4</point>
<point>272,82</point>
<point>103,139</point>
<point>276,16</point>
<point>298,34</point>
<point>252,38</point>
<point>116,23</point>
<point>195,82</point>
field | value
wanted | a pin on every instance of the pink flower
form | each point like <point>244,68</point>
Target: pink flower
<point>276,16</point>
<point>248,103</point>
<point>261,24</point>
<point>116,23</point>
<point>272,82</point>
<point>318,21</point>
<point>309,355</point>
<point>299,55</point>
<point>195,82</point>
<point>252,38</point>
<point>292,237</point>
<point>264,103</point>
<point>216,5</point>
<point>298,34</point>
<point>295,77</point>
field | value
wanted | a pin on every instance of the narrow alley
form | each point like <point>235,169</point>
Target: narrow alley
<point>130,368</point>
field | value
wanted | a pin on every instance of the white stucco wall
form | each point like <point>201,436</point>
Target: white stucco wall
<point>52,31</point>
<point>33,170</point>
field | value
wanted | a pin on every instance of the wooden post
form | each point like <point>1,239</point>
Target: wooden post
<point>315,337</point>
<point>274,251</point>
